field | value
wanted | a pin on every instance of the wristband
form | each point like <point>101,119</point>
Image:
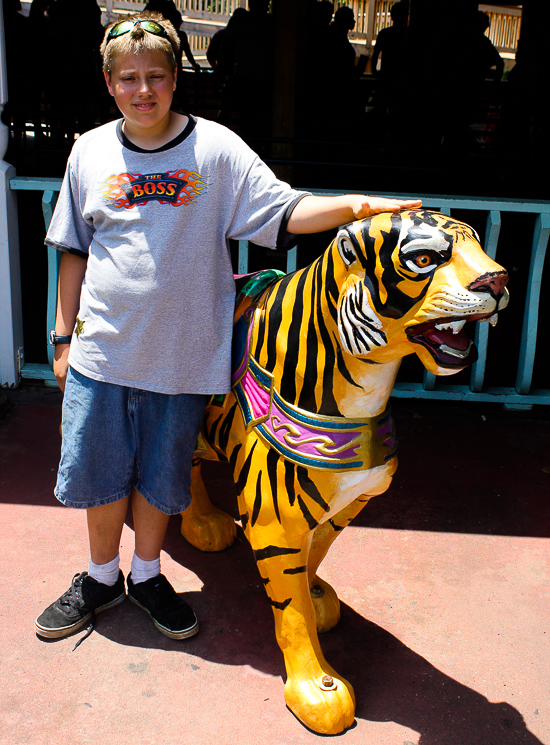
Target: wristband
<point>56,339</point>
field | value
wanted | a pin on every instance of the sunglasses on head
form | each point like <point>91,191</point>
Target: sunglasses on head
<point>124,27</point>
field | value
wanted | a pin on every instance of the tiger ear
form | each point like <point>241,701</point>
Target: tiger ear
<point>346,247</point>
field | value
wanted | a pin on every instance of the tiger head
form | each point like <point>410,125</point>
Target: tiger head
<point>410,282</point>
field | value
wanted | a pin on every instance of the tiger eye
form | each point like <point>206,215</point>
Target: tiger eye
<point>422,261</point>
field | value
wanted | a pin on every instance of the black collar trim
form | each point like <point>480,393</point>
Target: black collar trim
<point>189,127</point>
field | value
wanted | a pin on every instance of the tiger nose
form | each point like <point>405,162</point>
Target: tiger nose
<point>494,284</point>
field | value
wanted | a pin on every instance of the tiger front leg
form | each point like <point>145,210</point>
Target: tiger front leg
<point>320,698</point>
<point>206,527</point>
<point>324,597</point>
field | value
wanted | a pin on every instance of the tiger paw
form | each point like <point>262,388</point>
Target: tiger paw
<point>211,531</point>
<point>326,604</point>
<point>325,704</point>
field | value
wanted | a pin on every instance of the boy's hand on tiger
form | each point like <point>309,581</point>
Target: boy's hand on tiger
<point>61,364</point>
<point>368,206</point>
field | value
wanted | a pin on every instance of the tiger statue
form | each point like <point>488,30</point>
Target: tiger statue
<point>306,427</point>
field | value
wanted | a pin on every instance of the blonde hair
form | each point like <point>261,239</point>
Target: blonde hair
<point>138,40</point>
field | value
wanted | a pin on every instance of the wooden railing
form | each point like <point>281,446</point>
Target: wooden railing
<point>371,16</point>
<point>522,394</point>
<point>505,27</point>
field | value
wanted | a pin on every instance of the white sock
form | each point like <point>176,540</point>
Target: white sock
<point>144,570</point>
<point>107,573</point>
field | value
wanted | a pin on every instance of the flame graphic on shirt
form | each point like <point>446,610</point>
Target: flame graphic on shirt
<point>172,187</point>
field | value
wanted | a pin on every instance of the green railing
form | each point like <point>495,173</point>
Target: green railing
<point>522,394</point>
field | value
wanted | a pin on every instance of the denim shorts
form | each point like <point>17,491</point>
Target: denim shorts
<point>116,437</point>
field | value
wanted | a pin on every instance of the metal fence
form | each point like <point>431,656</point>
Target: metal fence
<point>491,212</point>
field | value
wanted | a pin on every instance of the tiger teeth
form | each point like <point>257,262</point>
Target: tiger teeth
<point>454,326</point>
<point>493,320</point>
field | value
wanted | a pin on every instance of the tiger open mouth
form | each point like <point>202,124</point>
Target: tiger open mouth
<point>447,341</point>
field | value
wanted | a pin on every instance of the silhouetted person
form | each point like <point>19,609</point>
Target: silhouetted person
<point>214,48</point>
<point>314,74</point>
<point>391,49</point>
<point>247,60</point>
<point>168,10</point>
<point>218,53</point>
<point>317,40</point>
<point>341,69</point>
<point>523,132</point>
<point>481,63</point>
<point>77,100</point>
<point>340,50</point>
<point>482,58</point>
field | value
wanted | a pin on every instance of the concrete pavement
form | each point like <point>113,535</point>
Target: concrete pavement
<point>444,583</point>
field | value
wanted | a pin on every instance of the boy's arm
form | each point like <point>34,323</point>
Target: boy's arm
<point>314,214</point>
<point>71,274</point>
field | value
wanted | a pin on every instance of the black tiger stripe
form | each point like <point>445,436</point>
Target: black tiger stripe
<point>278,605</point>
<point>310,378</point>
<point>336,528</point>
<point>234,456</point>
<point>309,488</point>
<point>240,481</point>
<point>308,517</point>
<point>263,325</point>
<point>364,338</point>
<point>269,552</point>
<point>212,432</point>
<point>244,520</point>
<point>343,370</point>
<point>332,290</point>
<point>288,377</point>
<point>328,406</point>
<point>289,481</point>
<point>272,460</point>
<point>265,580</point>
<point>275,319</point>
<point>257,501</point>
<point>225,429</point>
<point>342,328</point>
<point>295,570</point>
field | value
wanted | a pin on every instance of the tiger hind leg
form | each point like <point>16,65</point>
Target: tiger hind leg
<point>324,598</point>
<point>316,694</point>
<point>204,526</point>
<point>279,517</point>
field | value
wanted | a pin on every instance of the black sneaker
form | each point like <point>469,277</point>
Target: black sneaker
<point>171,614</point>
<point>85,597</point>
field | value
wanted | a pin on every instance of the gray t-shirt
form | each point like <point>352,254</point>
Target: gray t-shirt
<point>156,306</point>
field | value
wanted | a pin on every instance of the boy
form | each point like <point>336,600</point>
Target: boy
<point>144,320</point>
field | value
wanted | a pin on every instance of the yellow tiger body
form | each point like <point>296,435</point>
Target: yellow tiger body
<point>306,428</point>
